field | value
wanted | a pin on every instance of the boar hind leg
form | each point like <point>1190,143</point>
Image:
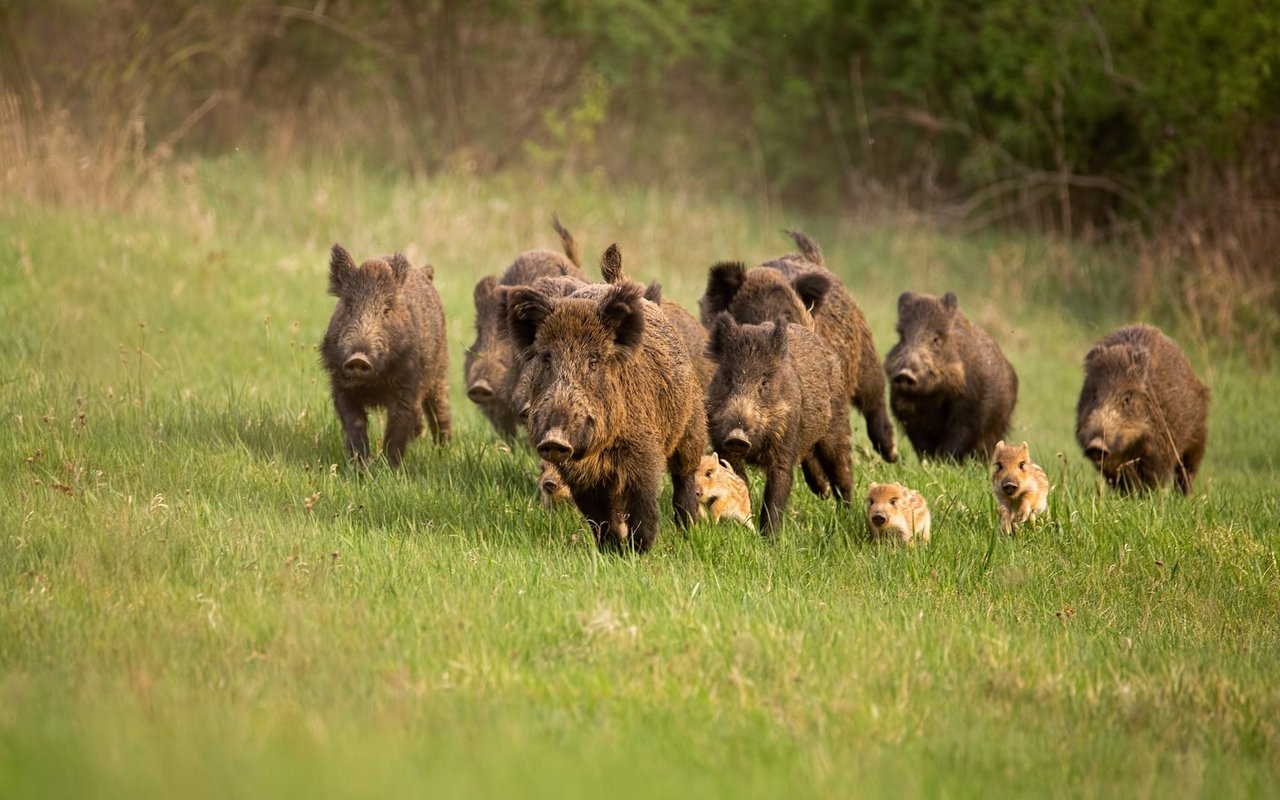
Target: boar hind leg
<point>355,429</point>
<point>402,425</point>
<point>1188,466</point>
<point>436,408</point>
<point>777,488</point>
<point>815,476</point>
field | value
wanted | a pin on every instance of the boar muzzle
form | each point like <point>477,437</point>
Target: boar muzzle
<point>1096,450</point>
<point>480,391</point>
<point>357,365</point>
<point>905,379</point>
<point>878,519</point>
<point>549,486</point>
<point>736,443</point>
<point>1010,488</point>
<point>555,447</point>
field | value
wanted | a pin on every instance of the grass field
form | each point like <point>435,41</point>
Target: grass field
<point>199,599</point>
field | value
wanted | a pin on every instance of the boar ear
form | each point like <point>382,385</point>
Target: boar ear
<point>399,267</point>
<point>1138,358</point>
<point>653,293</point>
<point>950,302</point>
<point>526,310</point>
<point>611,265</point>
<point>721,327</point>
<point>999,444</point>
<point>341,267</point>
<point>723,282</point>
<point>812,287</point>
<point>779,336</point>
<point>485,288</point>
<point>904,300</point>
<point>808,247</point>
<point>723,463</point>
<point>622,312</point>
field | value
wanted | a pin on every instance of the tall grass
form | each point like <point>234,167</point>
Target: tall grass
<point>201,598</point>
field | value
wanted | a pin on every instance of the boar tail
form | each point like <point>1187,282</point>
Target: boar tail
<point>566,241</point>
<point>808,247</point>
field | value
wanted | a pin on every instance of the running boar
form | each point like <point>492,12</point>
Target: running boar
<point>1142,415</point>
<point>488,360</point>
<point>385,346</point>
<point>951,387</point>
<point>896,512</point>
<point>772,403</point>
<point>799,288</point>
<point>1020,485</point>
<point>722,492</point>
<point>612,400</point>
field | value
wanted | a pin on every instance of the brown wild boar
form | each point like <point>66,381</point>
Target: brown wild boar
<point>385,346</point>
<point>722,492</point>
<point>613,399</point>
<point>1143,414</point>
<point>800,289</point>
<point>488,360</point>
<point>896,512</point>
<point>773,403</point>
<point>1020,485</point>
<point>950,386</point>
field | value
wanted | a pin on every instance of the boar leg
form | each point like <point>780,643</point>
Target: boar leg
<point>436,408</point>
<point>777,488</point>
<point>815,476</point>
<point>880,430</point>
<point>402,425</point>
<point>596,505</point>
<point>683,467</point>
<point>835,455</point>
<point>641,503</point>
<point>959,440</point>
<point>1188,466</point>
<point>355,428</point>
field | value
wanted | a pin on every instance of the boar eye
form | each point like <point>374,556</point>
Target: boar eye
<point>1022,465</point>
<point>386,310</point>
<point>893,501</point>
<point>1128,398</point>
<point>592,363</point>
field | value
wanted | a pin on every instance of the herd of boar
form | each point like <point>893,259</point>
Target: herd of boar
<point>616,384</point>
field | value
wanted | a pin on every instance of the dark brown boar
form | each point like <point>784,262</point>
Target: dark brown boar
<point>1143,414</point>
<point>950,385</point>
<point>385,346</point>
<point>612,400</point>
<point>488,360</point>
<point>773,403</point>
<point>800,289</point>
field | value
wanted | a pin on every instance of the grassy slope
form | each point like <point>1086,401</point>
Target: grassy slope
<point>196,601</point>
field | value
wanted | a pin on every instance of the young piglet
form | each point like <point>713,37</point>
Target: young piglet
<point>1021,486</point>
<point>894,511</point>
<point>551,489</point>
<point>722,492</point>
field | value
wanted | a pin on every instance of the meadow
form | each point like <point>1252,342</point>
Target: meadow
<point>201,599</point>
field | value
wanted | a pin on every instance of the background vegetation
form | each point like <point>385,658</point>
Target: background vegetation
<point>198,598</point>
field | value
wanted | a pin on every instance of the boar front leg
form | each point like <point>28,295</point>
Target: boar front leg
<point>642,514</point>
<point>403,423</point>
<point>355,428</point>
<point>777,488</point>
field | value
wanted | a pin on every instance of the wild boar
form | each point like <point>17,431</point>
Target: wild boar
<point>1143,414</point>
<point>612,400</point>
<point>385,346</point>
<point>1020,485</point>
<point>773,403</point>
<point>800,289</point>
<point>950,385</point>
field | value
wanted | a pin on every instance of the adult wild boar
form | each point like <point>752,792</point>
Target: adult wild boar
<point>1142,415</point>
<point>385,346</point>
<point>773,403</point>
<point>800,289</point>
<point>950,385</point>
<point>613,399</point>
<point>488,361</point>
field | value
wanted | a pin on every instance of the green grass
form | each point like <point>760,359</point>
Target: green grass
<point>198,599</point>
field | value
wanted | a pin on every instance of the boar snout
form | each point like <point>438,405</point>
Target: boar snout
<point>878,519</point>
<point>549,486</point>
<point>1096,450</point>
<point>736,443</point>
<point>480,391</point>
<point>358,365</point>
<point>1010,488</point>
<point>555,447</point>
<point>905,379</point>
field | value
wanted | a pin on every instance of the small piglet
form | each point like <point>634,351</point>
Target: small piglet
<point>722,492</point>
<point>551,488</point>
<point>385,346</point>
<point>777,401</point>
<point>1020,485</point>
<point>896,512</point>
<point>950,385</point>
<point>1142,415</point>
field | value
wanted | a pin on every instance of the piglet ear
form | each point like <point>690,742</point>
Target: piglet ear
<point>999,444</point>
<point>949,302</point>
<point>723,282</point>
<point>399,267</point>
<point>341,267</point>
<point>812,287</point>
<point>904,300</point>
<point>780,336</point>
<point>611,265</point>
<point>722,328</point>
<point>622,312</point>
<point>527,309</point>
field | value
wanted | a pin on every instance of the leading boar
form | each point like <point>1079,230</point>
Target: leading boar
<point>950,386</point>
<point>385,346</point>
<point>613,399</point>
<point>1142,414</point>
